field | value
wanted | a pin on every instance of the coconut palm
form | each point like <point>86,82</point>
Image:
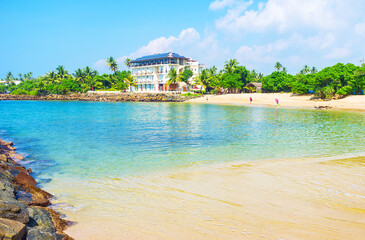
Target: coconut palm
<point>314,70</point>
<point>112,64</point>
<point>28,76</point>
<point>79,75</point>
<point>285,70</point>
<point>88,71</point>
<point>9,78</point>
<point>173,77</point>
<point>20,77</point>
<point>203,79</point>
<point>127,62</point>
<point>278,66</point>
<point>230,65</point>
<point>61,72</point>
<point>306,69</point>
<point>130,81</point>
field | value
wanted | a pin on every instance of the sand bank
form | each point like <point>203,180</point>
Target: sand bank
<point>277,199</point>
<point>285,100</point>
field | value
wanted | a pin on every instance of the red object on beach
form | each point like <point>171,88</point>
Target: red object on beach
<point>250,99</point>
<point>277,101</point>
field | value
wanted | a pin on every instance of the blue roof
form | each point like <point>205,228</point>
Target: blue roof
<point>158,56</point>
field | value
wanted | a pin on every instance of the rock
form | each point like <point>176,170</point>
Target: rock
<point>41,219</point>
<point>10,229</point>
<point>3,157</point>
<point>39,196</point>
<point>14,212</point>
<point>37,234</point>
<point>25,179</point>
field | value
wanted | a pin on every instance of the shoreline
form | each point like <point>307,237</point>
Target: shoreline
<point>304,198</point>
<point>287,100</point>
<point>103,97</point>
<point>24,208</point>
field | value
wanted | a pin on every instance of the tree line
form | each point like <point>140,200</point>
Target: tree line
<point>335,81</point>
<point>60,81</point>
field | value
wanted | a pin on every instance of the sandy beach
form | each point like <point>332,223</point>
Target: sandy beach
<point>285,100</point>
<point>319,198</point>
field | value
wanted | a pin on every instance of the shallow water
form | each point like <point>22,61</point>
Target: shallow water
<point>111,161</point>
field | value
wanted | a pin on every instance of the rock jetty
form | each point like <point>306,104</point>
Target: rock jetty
<point>24,212</point>
<point>105,97</point>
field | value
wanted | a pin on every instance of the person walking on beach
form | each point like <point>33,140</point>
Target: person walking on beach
<point>250,99</point>
<point>277,101</point>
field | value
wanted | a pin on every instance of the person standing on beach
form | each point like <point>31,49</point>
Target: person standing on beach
<point>250,99</point>
<point>277,101</point>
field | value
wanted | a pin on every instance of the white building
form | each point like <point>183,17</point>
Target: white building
<point>151,71</point>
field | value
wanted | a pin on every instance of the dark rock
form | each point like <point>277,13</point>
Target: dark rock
<point>40,218</point>
<point>10,229</point>
<point>25,179</point>
<point>14,212</point>
<point>37,234</point>
<point>39,196</point>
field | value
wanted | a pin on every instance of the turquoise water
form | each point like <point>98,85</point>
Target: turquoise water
<point>92,139</point>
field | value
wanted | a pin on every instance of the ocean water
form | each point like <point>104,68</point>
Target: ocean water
<point>195,171</point>
<point>89,140</point>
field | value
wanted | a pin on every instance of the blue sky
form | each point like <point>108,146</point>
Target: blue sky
<point>38,36</point>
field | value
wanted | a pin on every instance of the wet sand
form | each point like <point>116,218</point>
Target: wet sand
<point>277,199</point>
<point>285,100</point>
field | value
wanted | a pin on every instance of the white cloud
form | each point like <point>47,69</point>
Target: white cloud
<point>188,43</point>
<point>359,29</point>
<point>186,37</point>
<point>220,4</point>
<point>100,65</point>
<point>284,15</point>
<point>338,52</point>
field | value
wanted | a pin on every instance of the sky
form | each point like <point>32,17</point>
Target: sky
<point>37,36</point>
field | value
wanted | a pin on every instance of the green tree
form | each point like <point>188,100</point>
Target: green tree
<point>278,66</point>
<point>61,72</point>
<point>112,64</point>
<point>230,65</point>
<point>127,62</point>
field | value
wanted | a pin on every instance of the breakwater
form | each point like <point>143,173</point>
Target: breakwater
<point>24,211</point>
<point>105,97</point>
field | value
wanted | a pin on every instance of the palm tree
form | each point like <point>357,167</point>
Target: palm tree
<point>278,66</point>
<point>28,76</point>
<point>203,79</point>
<point>213,71</point>
<point>20,77</point>
<point>230,65</point>
<point>112,64</point>
<point>61,72</point>
<point>9,78</point>
<point>173,77</point>
<point>130,81</point>
<point>314,70</point>
<point>285,70</point>
<point>79,75</point>
<point>306,69</point>
<point>88,71</point>
<point>127,62</point>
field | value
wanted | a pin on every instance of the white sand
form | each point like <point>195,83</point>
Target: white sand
<point>285,100</point>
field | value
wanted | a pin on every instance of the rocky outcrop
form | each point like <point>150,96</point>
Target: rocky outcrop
<point>105,97</point>
<point>23,206</point>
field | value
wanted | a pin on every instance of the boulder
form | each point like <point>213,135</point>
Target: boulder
<point>12,230</point>
<point>37,234</point>
<point>41,219</point>
<point>3,157</point>
<point>39,197</point>
<point>14,212</point>
<point>25,179</point>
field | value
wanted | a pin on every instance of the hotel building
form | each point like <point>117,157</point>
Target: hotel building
<point>151,71</point>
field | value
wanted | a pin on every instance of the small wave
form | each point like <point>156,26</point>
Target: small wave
<point>65,206</point>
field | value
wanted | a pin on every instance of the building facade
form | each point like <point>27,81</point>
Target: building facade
<point>151,72</point>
